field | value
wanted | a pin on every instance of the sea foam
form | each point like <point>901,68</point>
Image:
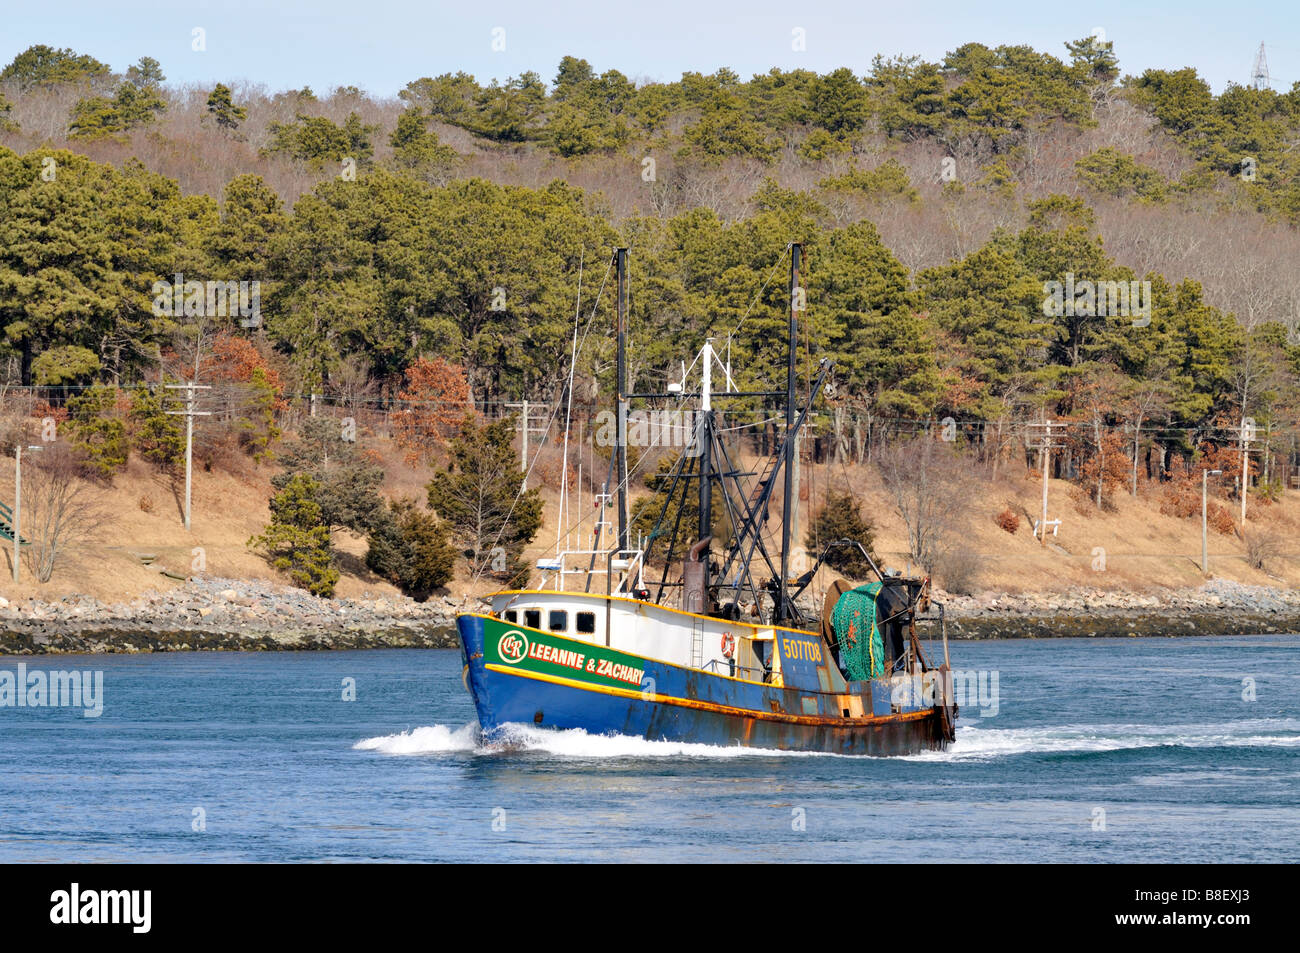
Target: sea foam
<point>982,744</point>
<point>573,743</point>
<point>972,744</point>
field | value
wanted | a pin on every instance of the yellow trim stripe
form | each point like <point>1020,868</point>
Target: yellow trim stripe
<point>636,655</point>
<point>820,721</point>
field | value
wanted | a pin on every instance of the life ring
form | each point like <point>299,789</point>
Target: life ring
<point>728,645</point>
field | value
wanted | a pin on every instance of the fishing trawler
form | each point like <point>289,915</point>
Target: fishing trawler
<point>734,661</point>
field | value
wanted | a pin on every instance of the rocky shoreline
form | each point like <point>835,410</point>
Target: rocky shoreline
<point>209,614</point>
<point>1219,607</point>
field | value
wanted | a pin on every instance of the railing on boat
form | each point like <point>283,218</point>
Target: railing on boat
<point>736,671</point>
<point>629,564</point>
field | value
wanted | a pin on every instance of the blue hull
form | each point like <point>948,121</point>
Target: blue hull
<point>674,703</point>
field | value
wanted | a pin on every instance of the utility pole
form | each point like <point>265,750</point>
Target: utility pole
<point>1205,536</point>
<point>189,413</point>
<point>18,506</point>
<point>1247,435</point>
<point>525,426</point>
<point>1045,451</point>
<point>523,455</point>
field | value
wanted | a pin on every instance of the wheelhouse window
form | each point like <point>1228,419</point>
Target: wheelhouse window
<point>558,621</point>
<point>586,623</point>
<point>533,618</point>
<point>512,615</point>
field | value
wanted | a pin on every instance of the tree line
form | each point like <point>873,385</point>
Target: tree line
<point>363,278</point>
<point>976,100</point>
<point>112,275</point>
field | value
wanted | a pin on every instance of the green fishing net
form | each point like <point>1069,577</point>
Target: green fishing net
<point>862,648</point>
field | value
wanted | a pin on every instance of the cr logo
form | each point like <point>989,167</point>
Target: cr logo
<point>512,647</point>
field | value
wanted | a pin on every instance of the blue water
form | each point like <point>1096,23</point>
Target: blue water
<point>1100,750</point>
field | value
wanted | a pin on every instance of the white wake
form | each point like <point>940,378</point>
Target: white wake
<point>572,742</point>
<point>972,744</point>
<point>434,739</point>
<point>980,743</point>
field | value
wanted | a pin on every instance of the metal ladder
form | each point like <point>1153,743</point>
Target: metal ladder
<point>697,643</point>
<point>7,524</point>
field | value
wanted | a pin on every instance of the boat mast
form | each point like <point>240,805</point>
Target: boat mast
<point>620,262</point>
<point>784,611</point>
<point>746,512</point>
<point>704,439</point>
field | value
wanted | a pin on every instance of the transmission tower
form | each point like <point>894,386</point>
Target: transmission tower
<point>1259,75</point>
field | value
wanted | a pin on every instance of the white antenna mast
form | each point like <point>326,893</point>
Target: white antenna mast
<point>561,518</point>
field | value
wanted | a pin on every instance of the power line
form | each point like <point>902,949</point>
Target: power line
<point>910,426</point>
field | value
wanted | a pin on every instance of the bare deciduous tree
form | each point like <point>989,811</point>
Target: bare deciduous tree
<point>61,512</point>
<point>1262,547</point>
<point>929,483</point>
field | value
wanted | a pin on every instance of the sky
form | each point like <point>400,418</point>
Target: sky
<point>381,45</point>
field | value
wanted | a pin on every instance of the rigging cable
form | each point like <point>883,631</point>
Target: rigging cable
<point>523,483</point>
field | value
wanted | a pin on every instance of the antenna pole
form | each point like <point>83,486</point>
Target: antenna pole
<point>704,436</point>
<point>620,260</point>
<point>796,305</point>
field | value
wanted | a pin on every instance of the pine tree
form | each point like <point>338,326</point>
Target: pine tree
<point>155,434</point>
<point>345,486</point>
<point>147,72</point>
<point>96,432</point>
<point>64,365</point>
<point>45,66</point>
<point>6,107</point>
<point>418,151</point>
<point>841,518</point>
<point>989,309</point>
<point>411,549</point>
<point>1093,59</point>
<point>478,495</point>
<point>221,105</point>
<point>297,540</point>
<point>244,243</point>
